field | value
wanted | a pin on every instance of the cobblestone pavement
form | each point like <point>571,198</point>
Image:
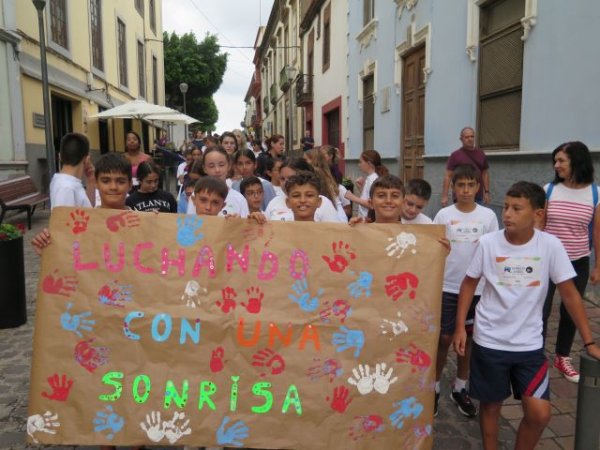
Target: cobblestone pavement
<point>452,431</point>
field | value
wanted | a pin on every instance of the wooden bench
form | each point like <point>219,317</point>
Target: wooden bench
<point>20,194</point>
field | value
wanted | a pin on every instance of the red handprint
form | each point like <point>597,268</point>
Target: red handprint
<point>415,356</point>
<point>255,297</point>
<point>125,219</point>
<point>341,252</point>
<point>268,358</point>
<point>79,221</point>
<point>90,357</point>
<point>340,309</point>
<point>340,400</point>
<point>54,284</point>
<point>396,285</point>
<point>228,303</point>
<point>365,426</point>
<point>254,232</point>
<point>216,360</point>
<point>60,388</point>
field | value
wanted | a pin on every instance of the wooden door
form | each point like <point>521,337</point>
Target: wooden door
<point>412,145</point>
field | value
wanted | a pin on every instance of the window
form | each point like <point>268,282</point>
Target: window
<point>500,74</point>
<point>332,119</point>
<point>122,48</point>
<point>96,25</point>
<point>155,79</point>
<point>368,113</point>
<point>139,5</point>
<point>58,23</point>
<point>152,12</point>
<point>141,69</point>
<point>326,37</point>
<point>368,11</point>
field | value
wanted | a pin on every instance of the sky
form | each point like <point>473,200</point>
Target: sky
<point>235,22</point>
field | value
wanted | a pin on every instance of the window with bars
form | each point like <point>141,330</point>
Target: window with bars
<point>141,69</point>
<point>368,11</point>
<point>139,6</point>
<point>58,23</point>
<point>326,37</point>
<point>122,49</point>
<point>500,74</point>
<point>96,25</point>
<point>155,79</point>
<point>152,12</point>
<point>368,113</point>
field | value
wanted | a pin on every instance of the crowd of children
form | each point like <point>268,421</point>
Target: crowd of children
<point>495,281</point>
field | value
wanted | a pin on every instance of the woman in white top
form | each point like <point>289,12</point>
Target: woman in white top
<point>370,165</point>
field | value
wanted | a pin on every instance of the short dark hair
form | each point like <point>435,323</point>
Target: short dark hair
<point>139,139</point>
<point>247,153</point>
<point>189,184</point>
<point>297,164</point>
<point>465,172</point>
<point>387,182</point>
<point>250,181</point>
<point>531,191</point>
<point>210,185</point>
<point>302,178</point>
<point>74,147</point>
<point>145,168</point>
<point>113,163</point>
<point>419,187</point>
<point>582,169</point>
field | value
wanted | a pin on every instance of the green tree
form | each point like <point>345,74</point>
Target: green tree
<point>202,67</point>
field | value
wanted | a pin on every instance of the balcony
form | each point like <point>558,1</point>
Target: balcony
<point>266,105</point>
<point>274,93</point>
<point>304,89</point>
<point>284,80</point>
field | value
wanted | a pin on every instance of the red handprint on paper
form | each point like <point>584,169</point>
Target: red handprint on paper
<point>268,358</point>
<point>341,399</point>
<point>254,232</point>
<point>417,358</point>
<point>341,309</point>
<point>59,285</point>
<point>366,426</point>
<point>396,285</point>
<point>216,360</point>
<point>228,302</point>
<point>90,357</point>
<point>255,297</point>
<point>79,221</point>
<point>60,388</point>
<point>341,253</point>
<point>125,219</point>
<point>329,368</point>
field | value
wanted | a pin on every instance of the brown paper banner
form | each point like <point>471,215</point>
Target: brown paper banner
<point>166,330</point>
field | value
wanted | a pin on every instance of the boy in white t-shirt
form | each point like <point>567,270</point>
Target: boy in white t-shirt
<point>465,222</point>
<point>508,352</point>
<point>66,187</point>
<point>418,193</point>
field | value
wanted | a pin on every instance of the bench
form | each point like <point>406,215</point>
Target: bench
<point>20,194</point>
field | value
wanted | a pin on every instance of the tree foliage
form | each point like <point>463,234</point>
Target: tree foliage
<point>202,67</point>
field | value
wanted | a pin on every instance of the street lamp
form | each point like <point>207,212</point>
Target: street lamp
<point>290,71</point>
<point>50,154</point>
<point>183,87</point>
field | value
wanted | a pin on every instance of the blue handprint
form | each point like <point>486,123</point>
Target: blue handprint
<point>76,322</point>
<point>108,421</point>
<point>233,435</point>
<point>186,230</point>
<point>362,285</point>
<point>409,407</point>
<point>347,338</point>
<point>303,297</point>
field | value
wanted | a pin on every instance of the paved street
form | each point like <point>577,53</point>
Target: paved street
<point>452,430</point>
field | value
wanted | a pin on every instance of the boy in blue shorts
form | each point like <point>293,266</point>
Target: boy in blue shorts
<point>517,264</point>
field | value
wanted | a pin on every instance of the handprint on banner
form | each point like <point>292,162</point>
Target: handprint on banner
<point>407,408</point>
<point>331,368</point>
<point>125,219</point>
<point>417,358</point>
<point>255,297</point>
<point>76,322</point>
<point>39,423</point>
<point>362,286</point>
<point>254,232</point>
<point>191,294</point>
<point>341,399</point>
<point>61,386</point>
<point>363,380</point>
<point>108,422</point>
<point>232,435</point>
<point>177,427</point>
<point>382,379</point>
<point>346,338</point>
<point>227,302</point>
<point>115,294</point>
<point>341,309</point>
<point>397,285</point>
<point>393,328</point>
<point>303,297</point>
<point>90,357</point>
<point>153,427</point>
<point>400,243</point>
<point>366,426</point>
<point>187,230</point>
<point>59,285</point>
<point>79,221</point>
<point>342,252</point>
<point>269,359</point>
<point>216,360</point>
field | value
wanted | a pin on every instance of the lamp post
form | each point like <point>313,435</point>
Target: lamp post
<point>183,87</point>
<point>290,71</point>
<point>50,154</point>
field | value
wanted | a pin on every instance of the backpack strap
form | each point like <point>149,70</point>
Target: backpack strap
<point>551,188</point>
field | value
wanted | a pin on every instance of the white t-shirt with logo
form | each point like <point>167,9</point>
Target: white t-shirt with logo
<point>234,203</point>
<point>509,315</point>
<point>463,230</point>
<point>421,219</point>
<point>278,210</point>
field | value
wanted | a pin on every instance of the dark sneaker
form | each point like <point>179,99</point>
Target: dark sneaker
<point>435,405</point>
<point>463,403</point>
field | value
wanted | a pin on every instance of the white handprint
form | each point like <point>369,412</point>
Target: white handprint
<point>44,423</point>
<point>174,431</point>
<point>396,327</point>
<point>153,427</point>
<point>381,380</point>
<point>191,293</point>
<point>400,243</point>
<point>363,380</point>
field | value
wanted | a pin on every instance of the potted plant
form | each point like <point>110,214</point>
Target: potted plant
<point>13,312</point>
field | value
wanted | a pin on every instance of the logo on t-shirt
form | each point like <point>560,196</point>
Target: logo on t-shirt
<point>515,271</point>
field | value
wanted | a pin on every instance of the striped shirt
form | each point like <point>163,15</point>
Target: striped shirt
<point>568,215</point>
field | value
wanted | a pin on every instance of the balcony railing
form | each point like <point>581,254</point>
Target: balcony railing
<point>274,93</point>
<point>304,89</point>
